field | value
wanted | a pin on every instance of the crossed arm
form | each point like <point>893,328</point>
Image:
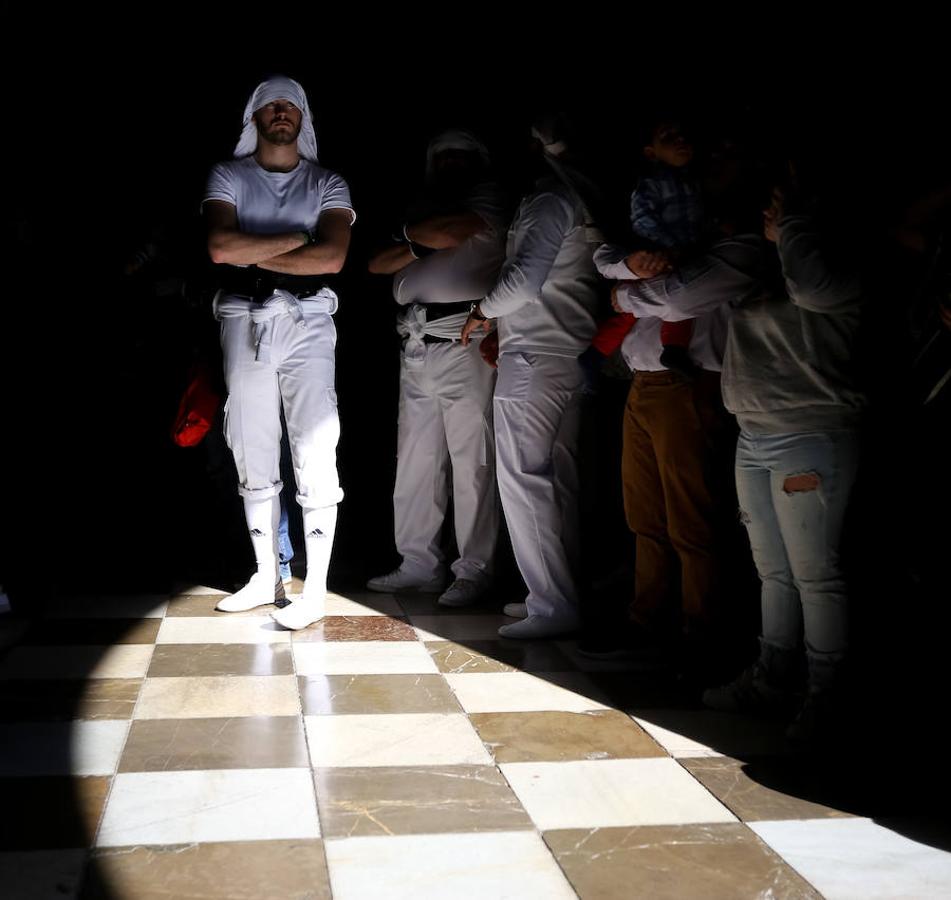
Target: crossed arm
<point>440,232</point>
<point>290,253</point>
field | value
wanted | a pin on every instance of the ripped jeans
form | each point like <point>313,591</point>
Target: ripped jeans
<point>793,491</point>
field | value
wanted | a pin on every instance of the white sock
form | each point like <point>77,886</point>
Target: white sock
<point>263,517</point>
<point>319,528</point>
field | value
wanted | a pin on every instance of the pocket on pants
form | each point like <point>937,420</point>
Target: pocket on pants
<point>516,372</point>
<point>226,422</point>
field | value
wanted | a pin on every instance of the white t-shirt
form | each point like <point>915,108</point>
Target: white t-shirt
<point>277,202</point>
<point>464,273</point>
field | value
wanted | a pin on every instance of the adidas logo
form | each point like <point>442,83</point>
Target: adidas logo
<point>256,532</point>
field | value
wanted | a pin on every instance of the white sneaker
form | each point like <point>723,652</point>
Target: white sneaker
<point>398,580</point>
<point>462,592</point>
<point>535,627</point>
<point>259,591</point>
<point>515,610</point>
<point>300,614</point>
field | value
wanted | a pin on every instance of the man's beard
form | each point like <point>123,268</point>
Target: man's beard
<point>279,136</point>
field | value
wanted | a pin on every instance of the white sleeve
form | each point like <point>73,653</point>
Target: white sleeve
<point>727,273</point>
<point>220,185</point>
<point>609,261</point>
<point>335,194</point>
<point>544,221</point>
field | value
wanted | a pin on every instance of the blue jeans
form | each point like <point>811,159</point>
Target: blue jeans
<point>793,491</point>
<point>284,546</point>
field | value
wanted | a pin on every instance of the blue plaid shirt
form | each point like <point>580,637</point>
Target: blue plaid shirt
<point>666,208</point>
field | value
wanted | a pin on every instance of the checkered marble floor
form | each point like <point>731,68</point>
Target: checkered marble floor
<point>151,747</point>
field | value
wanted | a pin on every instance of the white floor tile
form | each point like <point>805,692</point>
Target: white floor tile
<point>187,807</point>
<point>146,606</point>
<point>221,630</point>
<point>61,748</point>
<point>416,739</point>
<point>857,858</point>
<point>521,692</point>
<point>362,605</point>
<point>677,745</point>
<point>362,658</point>
<point>612,792</point>
<point>500,866</point>
<point>458,627</point>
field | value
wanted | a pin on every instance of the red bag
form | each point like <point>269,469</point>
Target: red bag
<point>199,406</point>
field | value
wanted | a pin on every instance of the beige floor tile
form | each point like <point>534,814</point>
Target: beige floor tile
<point>715,862</point>
<point>65,700</point>
<point>51,811</point>
<point>416,800</point>
<point>121,661</point>
<point>369,694</point>
<point>42,874</point>
<point>145,606</point>
<point>238,870</point>
<point>203,660</point>
<point>498,656</point>
<point>356,628</point>
<point>751,800</point>
<point>245,742</point>
<point>218,697</point>
<point>553,736</point>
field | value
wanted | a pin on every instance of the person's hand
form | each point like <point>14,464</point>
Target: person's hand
<point>773,215</point>
<point>489,349</point>
<point>648,263</point>
<point>473,323</point>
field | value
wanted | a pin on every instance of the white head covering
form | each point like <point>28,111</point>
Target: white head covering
<point>278,87</point>
<point>454,139</point>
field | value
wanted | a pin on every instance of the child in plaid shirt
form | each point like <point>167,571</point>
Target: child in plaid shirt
<point>666,214</point>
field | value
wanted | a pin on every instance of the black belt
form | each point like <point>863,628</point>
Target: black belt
<point>432,339</point>
<point>436,311</point>
<point>259,284</point>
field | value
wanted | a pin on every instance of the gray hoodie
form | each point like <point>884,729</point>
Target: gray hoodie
<point>788,363</point>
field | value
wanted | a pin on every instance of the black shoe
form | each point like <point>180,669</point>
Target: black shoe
<point>629,643</point>
<point>604,647</point>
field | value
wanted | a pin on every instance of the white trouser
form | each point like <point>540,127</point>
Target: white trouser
<point>282,353</point>
<point>537,421</point>
<point>446,418</point>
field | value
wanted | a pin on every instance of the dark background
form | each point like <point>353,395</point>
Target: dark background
<point>114,138</point>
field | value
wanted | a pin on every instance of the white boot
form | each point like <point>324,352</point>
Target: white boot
<point>319,527</point>
<point>265,585</point>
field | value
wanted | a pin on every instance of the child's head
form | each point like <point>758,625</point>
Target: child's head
<point>666,142</point>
